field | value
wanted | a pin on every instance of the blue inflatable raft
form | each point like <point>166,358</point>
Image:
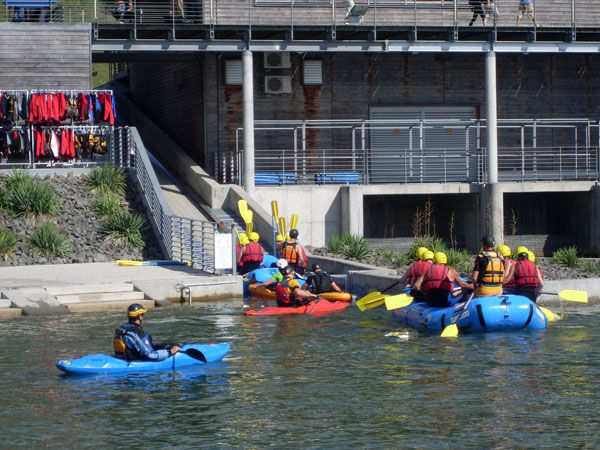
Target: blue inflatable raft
<point>99,363</point>
<point>484,314</point>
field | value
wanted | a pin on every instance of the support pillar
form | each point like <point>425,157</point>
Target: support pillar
<point>248,92</point>
<point>495,197</point>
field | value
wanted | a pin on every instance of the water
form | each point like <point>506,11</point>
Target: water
<point>347,380</point>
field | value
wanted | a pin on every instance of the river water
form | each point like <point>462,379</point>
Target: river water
<point>346,380</point>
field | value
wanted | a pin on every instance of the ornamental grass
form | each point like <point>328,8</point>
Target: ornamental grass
<point>46,239</point>
<point>107,178</point>
<point>566,256</point>
<point>125,227</point>
<point>8,240</point>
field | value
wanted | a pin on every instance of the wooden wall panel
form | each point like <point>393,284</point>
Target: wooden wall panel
<point>45,56</point>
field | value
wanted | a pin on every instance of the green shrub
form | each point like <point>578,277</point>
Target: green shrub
<point>356,247</point>
<point>335,245</point>
<point>460,260</point>
<point>432,243</point>
<point>384,253</point>
<point>125,227</point>
<point>30,197</point>
<point>16,177</point>
<point>566,256</point>
<point>3,195</point>
<point>46,239</point>
<point>403,259</point>
<point>107,204</point>
<point>8,240</point>
<point>590,266</point>
<point>107,178</point>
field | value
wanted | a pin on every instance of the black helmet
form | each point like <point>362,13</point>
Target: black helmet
<point>135,310</point>
<point>316,267</point>
<point>293,233</point>
<point>287,270</point>
<point>488,240</point>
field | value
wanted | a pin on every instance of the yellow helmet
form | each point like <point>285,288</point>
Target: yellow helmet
<point>420,252</point>
<point>241,237</point>
<point>244,240</point>
<point>531,256</point>
<point>254,236</point>
<point>427,255</point>
<point>504,250</point>
<point>521,249</point>
<point>440,258</point>
<point>279,238</point>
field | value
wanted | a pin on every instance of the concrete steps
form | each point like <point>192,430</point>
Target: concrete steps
<point>7,311</point>
<point>98,297</point>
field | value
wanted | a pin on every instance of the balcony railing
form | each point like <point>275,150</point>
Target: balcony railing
<point>426,151</point>
<point>570,14</point>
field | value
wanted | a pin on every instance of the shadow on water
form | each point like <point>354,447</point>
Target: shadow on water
<point>344,380</point>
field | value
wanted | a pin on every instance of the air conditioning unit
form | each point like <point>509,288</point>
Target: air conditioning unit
<point>277,60</point>
<point>278,85</point>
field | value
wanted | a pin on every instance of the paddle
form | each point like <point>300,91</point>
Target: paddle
<point>571,295</point>
<point>294,221</point>
<point>374,299</point>
<point>398,301</point>
<point>249,218</point>
<point>452,330</point>
<point>282,229</point>
<point>193,353</point>
<point>243,208</point>
<point>274,209</point>
<point>317,300</point>
<point>549,314</point>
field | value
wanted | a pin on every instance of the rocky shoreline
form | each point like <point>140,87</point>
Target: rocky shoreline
<point>80,224</point>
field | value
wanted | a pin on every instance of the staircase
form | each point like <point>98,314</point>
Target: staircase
<point>98,297</point>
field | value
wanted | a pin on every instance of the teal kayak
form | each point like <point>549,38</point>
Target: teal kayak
<point>189,354</point>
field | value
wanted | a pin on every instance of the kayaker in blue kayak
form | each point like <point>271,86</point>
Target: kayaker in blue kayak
<point>277,276</point>
<point>439,281</point>
<point>133,343</point>
<point>320,281</point>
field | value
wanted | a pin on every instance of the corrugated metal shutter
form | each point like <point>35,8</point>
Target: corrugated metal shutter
<point>313,71</point>
<point>234,73</point>
<point>415,146</point>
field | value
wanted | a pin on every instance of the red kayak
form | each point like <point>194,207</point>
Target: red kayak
<point>314,307</point>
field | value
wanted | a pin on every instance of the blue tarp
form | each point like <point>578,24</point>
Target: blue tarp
<point>29,3</point>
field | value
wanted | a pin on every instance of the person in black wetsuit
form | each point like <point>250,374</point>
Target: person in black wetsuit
<point>320,281</point>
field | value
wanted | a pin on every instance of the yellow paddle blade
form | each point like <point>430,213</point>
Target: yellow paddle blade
<point>128,262</point>
<point>549,314</point>
<point>282,229</point>
<point>243,208</point>
<point>294,221</point>
<point>398,301</point>
<point>249,216</point>
<point>274,209</point>
<point>574,296</point>
<point>450,331</point>
<point>371,303</point>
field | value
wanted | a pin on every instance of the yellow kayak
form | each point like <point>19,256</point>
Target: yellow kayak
<point>267,294</point>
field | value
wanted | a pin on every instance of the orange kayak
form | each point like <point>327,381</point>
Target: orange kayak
<point>315,307</point>
<point>265,293</point>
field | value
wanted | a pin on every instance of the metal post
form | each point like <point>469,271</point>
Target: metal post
<point>495,198</point>
<point>248,94</point>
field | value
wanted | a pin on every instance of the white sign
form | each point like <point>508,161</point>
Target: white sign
<point>223,251</point>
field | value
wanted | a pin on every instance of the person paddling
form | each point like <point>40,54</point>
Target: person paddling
<point>526,276</point>
<point>289,293</point>
<point>133,343</point>
<point>320,281</point>
<point>488,273</point>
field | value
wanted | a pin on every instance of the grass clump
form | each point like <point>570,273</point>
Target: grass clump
<point>28,197</point>
<point>16,177</point>
<point>566,256</point>
<point>107,178</point>
<point>349,245</point>
<point>46,239</point>
<point>8,240</point>
<point>107,204</point>
<point>460,260</point>
<point>590,266</point>
<point>125,227</point>
<point>403,259</point>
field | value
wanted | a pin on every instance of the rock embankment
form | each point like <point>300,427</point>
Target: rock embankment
<point>81,226</point>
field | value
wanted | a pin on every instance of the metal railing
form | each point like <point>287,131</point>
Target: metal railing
<point>184,239</point>
<point>571,14</point>
<point>418,151</point>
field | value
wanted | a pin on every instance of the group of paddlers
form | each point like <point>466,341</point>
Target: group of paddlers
<point>494,273</point>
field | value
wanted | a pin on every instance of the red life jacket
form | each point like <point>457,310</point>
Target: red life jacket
<point>507,263</point>
<point>284,294</point>
<point>288,252</point>
<point>526,274</point>
<point>436,278</point>
<point>253,253</point>
<point>416,270</point>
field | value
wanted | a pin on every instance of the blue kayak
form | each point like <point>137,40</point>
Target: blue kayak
<point>99,363</point>
<point>261,275</point>
<point>495,313</point>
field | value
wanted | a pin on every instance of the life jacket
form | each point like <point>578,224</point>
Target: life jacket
<point>507,263</point>
<point>322,282</point>
<point>493,274</point>
<point>288,252</point>
<point>121,349</point>
<point>253,253</point>
<point>416,270</point>
<point>526,274</point>
<point>285,296</point>
<point>436,278</point>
